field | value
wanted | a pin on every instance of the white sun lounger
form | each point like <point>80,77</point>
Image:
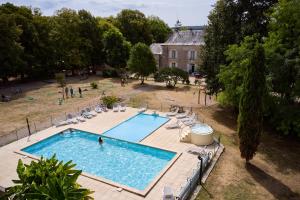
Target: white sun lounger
<point>168,193</point>
<point>86,114</point>
<point>122,108</point>
<point>189,118</point>
<point>116,108</point>
<point>80,119</point>
<point>91,112</point>
<point>98,109</point>
<point>183,115</point>
<point>189,123</point>
<point>173,113</point>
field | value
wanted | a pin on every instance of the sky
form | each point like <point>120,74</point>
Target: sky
<point>189,12</point>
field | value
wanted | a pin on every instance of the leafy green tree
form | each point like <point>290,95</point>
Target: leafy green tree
<point>141,61</point>
<point>171,76</point>
<point>134,26</point>
<point>67,40</point>
<point>159,29</point>
<point>250,119</point>
<point>222,30</point>
<point>231,76</point>
<point>116,48</point>
<point>10,48</point>
<point>47,179</point>
<point>229,22</point>
<point>283,51</point>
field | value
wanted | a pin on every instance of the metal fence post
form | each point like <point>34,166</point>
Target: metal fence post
<point>34,126</point>
<point>51,120</point>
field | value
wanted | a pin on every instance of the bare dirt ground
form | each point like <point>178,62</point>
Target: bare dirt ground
<point>273,174</point>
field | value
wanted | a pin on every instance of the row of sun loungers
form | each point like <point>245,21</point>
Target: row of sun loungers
<point>189,120</point>
<point>88,113</point>
<point>119,107</point>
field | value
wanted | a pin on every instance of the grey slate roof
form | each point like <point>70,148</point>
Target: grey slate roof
<point>186,37</point>
<point>156,48</point>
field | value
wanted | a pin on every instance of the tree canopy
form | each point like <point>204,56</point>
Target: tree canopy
<point>141,61</point>
<point>37,46</point>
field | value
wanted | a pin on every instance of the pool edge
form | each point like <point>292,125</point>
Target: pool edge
<point>142,193</point>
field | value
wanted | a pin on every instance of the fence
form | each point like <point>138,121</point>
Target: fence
<point>38,125</point>
<point>196,177</point>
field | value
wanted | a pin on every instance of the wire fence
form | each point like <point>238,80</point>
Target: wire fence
<point>35,126</point>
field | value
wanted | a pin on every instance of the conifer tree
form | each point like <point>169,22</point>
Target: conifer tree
<point>250,119</point>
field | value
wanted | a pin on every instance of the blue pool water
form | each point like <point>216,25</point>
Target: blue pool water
<point>136,128</point>
<point>129,164</point>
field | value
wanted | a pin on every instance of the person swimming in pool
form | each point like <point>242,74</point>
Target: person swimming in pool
<point>100,140</point>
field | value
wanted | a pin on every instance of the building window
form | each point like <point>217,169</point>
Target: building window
<point>173,54</point>
<point>173,64</point>
<point>192,55</point>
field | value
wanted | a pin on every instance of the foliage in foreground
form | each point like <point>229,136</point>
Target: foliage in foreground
<point>250,119</point>
<point>141,61</point>
<point>171,76</point>
<point>47,179</point>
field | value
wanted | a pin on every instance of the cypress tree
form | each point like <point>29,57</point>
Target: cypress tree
<point>250,119</point>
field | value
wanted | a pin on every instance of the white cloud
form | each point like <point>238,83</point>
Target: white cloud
<point>190,12</point>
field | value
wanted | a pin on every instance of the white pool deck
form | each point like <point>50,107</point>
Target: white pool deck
<point>175,176</point>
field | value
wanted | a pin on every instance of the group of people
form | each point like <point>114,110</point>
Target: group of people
<point>67,90</point>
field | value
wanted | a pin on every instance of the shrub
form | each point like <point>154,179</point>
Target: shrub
<point>47,179</point>
<point>60,79</point>
<point>109,101</point>
<point>109,73</point>
<point>94,85</point>
<point>171,76</point>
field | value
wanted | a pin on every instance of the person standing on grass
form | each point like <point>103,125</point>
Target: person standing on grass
<point>67,92</point>
<point>80,92</point>
<point>71,92</point>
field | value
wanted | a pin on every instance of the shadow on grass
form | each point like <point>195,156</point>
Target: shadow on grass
<point>273,185</point>
<point>283,152</point>
<point>225,116</point>
<point>154,87</point>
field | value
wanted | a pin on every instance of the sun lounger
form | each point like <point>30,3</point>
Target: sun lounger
<point>189,123</point>
<point>98,109</point>
<point>142,109</point>
<point>173,113</point>
<point>189,118</point>
<point>71,119</point>
<point>104,108</point>
<point>91,112</point>
<point>86,114</point>
<point>80,119</point>
<point>173,125</point>
<point>116,108</point>
<point>122,108</point>
<point>182,115</point>
<point>168,193</point>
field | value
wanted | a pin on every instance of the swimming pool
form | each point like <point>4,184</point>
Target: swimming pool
<point>122,162</point>
<point>137,127</point>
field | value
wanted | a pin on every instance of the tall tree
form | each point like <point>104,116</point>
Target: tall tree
<point>223,29</point>
<point>250,119</point>
<point>283,51</point>
<point>134,26</point>
<point>231,76</point>
<point>141,61</point>
<point>116,48</point>
<point>159,29</point>
<point>10,48</point>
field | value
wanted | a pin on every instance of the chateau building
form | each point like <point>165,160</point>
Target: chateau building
<point>181,49</point>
